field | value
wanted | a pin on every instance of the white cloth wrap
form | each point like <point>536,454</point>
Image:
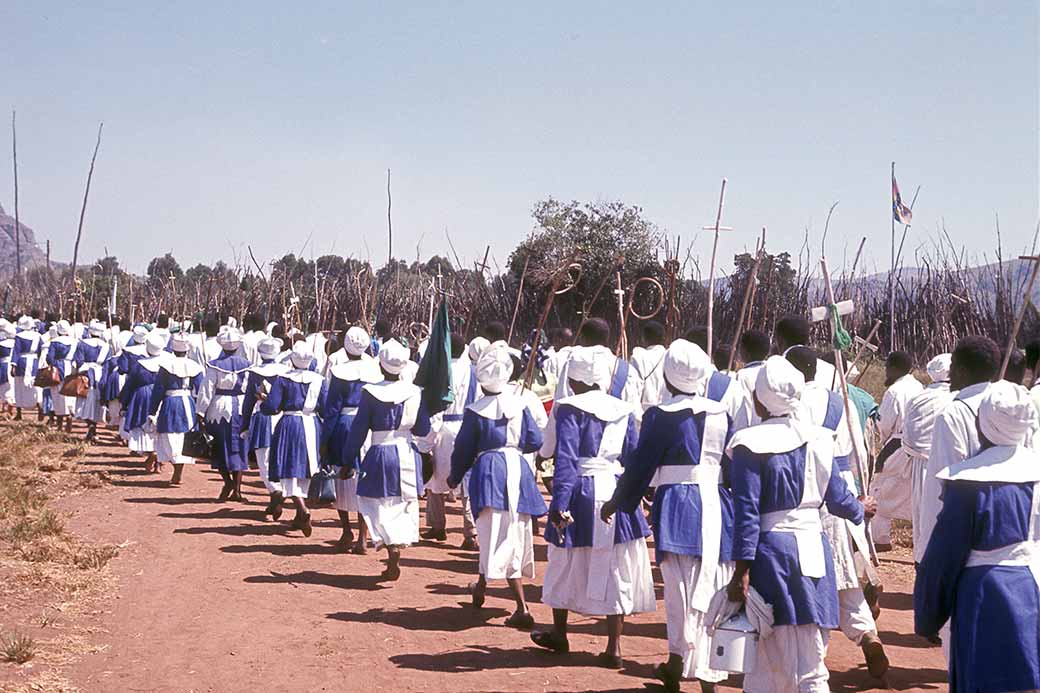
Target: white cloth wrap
<point>402,441</point>
<point>805,524</point>
<point>604,473</point>
<point>348,411</point>
<point>185,397</point>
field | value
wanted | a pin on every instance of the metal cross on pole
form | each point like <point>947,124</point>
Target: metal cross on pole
<point>1035,259</point>
<point>716,227</point>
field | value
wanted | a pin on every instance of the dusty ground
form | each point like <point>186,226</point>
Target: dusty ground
<point>210,597</point>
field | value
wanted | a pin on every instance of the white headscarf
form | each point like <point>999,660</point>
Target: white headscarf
<point>26,322</point>
<point>779,386</point>
<point>686,366</point>
<point>301,355</point>
<point>1006,414</point>
<point>588,365</point>
<point>476,348</point>
<point>155,343</point>
<point>63,327</point>
<point>229,339</point>
<point>96,328</point>
<point>356,341</point>
<point>180,343</point>
<point>939,368</point>
<point>269,347</point>
<point>494,370</point>
<point>140,334</point>
<point>393,356</point>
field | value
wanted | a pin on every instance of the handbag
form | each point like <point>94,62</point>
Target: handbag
<point>47,377</point>
<point>323,487</point>
<point>77,385</point>
<point>198,445</point>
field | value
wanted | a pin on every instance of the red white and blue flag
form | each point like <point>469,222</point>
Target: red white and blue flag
<point>900,212</point>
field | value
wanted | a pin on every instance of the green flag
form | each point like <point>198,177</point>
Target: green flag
<point>434,375</point>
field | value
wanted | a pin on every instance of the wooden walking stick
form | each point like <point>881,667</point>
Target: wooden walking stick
<point>1035,259</point>
<point>717,227</point>
<point>519,296</point>
<point>865,345</point>
<point>748,291</point>
<point>556,288</point>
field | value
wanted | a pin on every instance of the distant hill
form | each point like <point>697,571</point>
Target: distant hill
<point>32,254</point>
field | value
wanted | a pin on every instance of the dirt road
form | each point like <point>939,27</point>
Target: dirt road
<point>212,597</point>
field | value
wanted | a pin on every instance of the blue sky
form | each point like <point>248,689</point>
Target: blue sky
<point>263,122</point>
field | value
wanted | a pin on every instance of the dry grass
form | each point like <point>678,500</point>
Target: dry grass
<point>17,648</point>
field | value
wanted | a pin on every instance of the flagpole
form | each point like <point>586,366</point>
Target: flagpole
<point>892,270</point>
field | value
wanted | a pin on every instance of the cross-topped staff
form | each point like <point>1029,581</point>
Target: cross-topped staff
<point>845,308</point>
<point>864,345</point>
<point>1035,259</point>
<point>717,227</point>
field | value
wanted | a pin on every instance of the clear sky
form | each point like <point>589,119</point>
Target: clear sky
<point>264,122</point>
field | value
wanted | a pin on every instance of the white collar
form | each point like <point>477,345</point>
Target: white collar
<point>153,363</point>
<point>503,405</point>
<point>298,375</point>
<point>775,436</point>
<point>694,403</point>
<point>392,391</point>
<point>269,368</point>
<point>601,405</point>
<point>361,369</point>
<point>1002,463</point>
<point>182,367</point>
<point>972,390</point>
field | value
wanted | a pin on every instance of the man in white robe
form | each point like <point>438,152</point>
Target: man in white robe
<point>792,331</point>
<point>648,360</point>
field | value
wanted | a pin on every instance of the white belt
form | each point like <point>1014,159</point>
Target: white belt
<point>807,528</point>
<point>603,562</point>
<point>402,440</point>
<point>178,393</point>
<point>687,474</point>
<point>297,413</point>
<point>348,411</point>
<point>1024,553</point>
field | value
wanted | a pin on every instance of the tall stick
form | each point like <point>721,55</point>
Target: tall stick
<point>1035,259</point>
<point>711,271</point>
<point>17,218</point>
<point>519,296</point>
<point>752,281</point>
<point>83,209</point>
<point>389,223</point>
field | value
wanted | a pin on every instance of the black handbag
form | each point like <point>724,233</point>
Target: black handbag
<point>323,487</point>
<point>198,444</point>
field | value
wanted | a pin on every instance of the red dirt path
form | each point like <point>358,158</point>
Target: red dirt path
<point>214,598</point>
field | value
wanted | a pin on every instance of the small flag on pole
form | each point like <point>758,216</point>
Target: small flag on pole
<point>900,212</point>
<point>434,375</point>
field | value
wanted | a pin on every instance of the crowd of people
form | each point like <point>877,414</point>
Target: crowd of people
<point>767,490</point>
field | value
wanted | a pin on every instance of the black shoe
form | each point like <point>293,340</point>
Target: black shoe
<point>665,675</point>
<point>469,544</point>
<point>435,535</point>
<point>520,621</point>
<point>274,507</point>
<point>551,641</point>
<point>305,525</point>
<point>478,593</point>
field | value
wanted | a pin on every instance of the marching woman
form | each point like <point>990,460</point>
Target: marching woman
<point>91,354</point>
<point>117,369</point>
<point>172,406</point>
<point>980,570</point>
<point>259,426</point>
<point>346,380</point>
<point>6,347</point>
<point>298,395</point>
<point>496,431</point>
<point>136,396</point>
<point>25,363</point>
<point>60,356</point>
<point>390,474</point>
<point>220,403</point>
<point>595,568</point>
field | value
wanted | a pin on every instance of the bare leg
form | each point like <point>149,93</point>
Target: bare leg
<point>347,538</point>
<point>521,618</point>
<point>361,547</point>
<point>178,472</point>
<point>236,494</point>
<point>611,657</point>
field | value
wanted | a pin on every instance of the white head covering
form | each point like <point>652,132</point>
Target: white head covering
<point>588,365</point>
<point>6,329</point>
<point>26,322</point>
<point>96,328</point>
<point>356,341</point>
<point>229,339</point>
<point>476,348</point>
<point>269,347</point>
<point>180,343</point>
<point>494,370</point>
<point>301,355</point>
<point>1006,414</point>
<point>63,327</point>
<point>779,386</point>
<point>155,343</point>
<point>393,356</point>
<point>270,326</point>
<point>140,334</point>
<point>686,366</point>
<point>939,368</point>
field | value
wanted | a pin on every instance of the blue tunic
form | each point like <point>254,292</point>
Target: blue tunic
<point>290,451</point>
<point>6,347</point>
<point>477,445</point>
<point>93,355</point>
<point>57,354</point>
<point>673,438</point>
<point>772,482</point>
<point>136,396</point>
<point>343,394</point>
<point>228,447</point>
<point>994,610</point>
<point>380,470</point>
<point>173,416</point>
<point>578,436</point>
<point>25,355</point>
<point>260,428</point>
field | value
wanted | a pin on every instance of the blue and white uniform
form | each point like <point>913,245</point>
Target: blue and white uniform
<point>6,347</point>
<point>173,406</point>
<point>298,396</point>
<point>60,356</point>
<point>261,425</point>
<point>25,363</point>
<point>346,381</point>
<point>220,402</point>
<point>136,397</point>
<point>90,356</point>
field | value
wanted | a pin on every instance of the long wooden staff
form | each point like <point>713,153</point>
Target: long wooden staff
<point>559,277</point>
<point>1035,259</point>
<point>519,296</point>
<point>748,290</point>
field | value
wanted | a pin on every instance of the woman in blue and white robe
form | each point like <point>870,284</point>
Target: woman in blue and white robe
<point>496,431</point>
<point>783,471</point>
<point>298,395</point>
<point>135,400</point>
<point>173,406</point>
<point>60,356</point>
<point>981,570</point>
<point>25,364</point>
<point>220,403</point>
<point>6,347</point>
<point>390,474</point>
<point>347,376</point>
<point>595,568</point>
<point>130,348</point>
<point>91,354</point>
<point>260,426</point>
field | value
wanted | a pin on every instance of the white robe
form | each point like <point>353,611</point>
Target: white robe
<point>648,363</point>
<point>918,427</point>
<point>892,486</point>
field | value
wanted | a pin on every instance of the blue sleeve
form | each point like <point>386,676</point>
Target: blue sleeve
<point>465,451</point>
<point>565,474</point>
<point>358,432</point>
<point>639,471</point>
<point>16,352</point>
<point>530,435</point>
<point>747,492</point>
<point>322,396</point>
<point>196,383</point>
<point>50,353</point>
<point>158,390</point>
<point>422,421</point>
<point>333,399</point>
<point>249,399</point>
<point>939,572</point>
<point>128,387</point>
<point>77,358</point>
<point>840,501</point>
<point>631,439</point>
<point>273,404</point>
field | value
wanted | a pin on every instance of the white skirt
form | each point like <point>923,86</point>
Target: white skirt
<point>25,396</point>
<point>63,406</point>
<point>295,488</point>
<point>391,521</point>
<point>261,464</point>
<point>139,441</point>
<point>790,660</point>
<point>7,393</point>
<point>346,495</point>
<point>506,545</point>
<point>687,632</point>
<point>630,585</point>
<point>89,408</point>
<point>892,487</point>
<point>169,446</point>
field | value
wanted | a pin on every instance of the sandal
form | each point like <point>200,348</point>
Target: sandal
<point>478,594</point>
<point>551,641</point>
<point>520,621</point>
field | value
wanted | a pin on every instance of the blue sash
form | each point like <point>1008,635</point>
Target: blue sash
<point>617,384</point>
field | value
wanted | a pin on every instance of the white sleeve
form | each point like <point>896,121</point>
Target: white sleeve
<point>206,390</point>
<point>889,415</point>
